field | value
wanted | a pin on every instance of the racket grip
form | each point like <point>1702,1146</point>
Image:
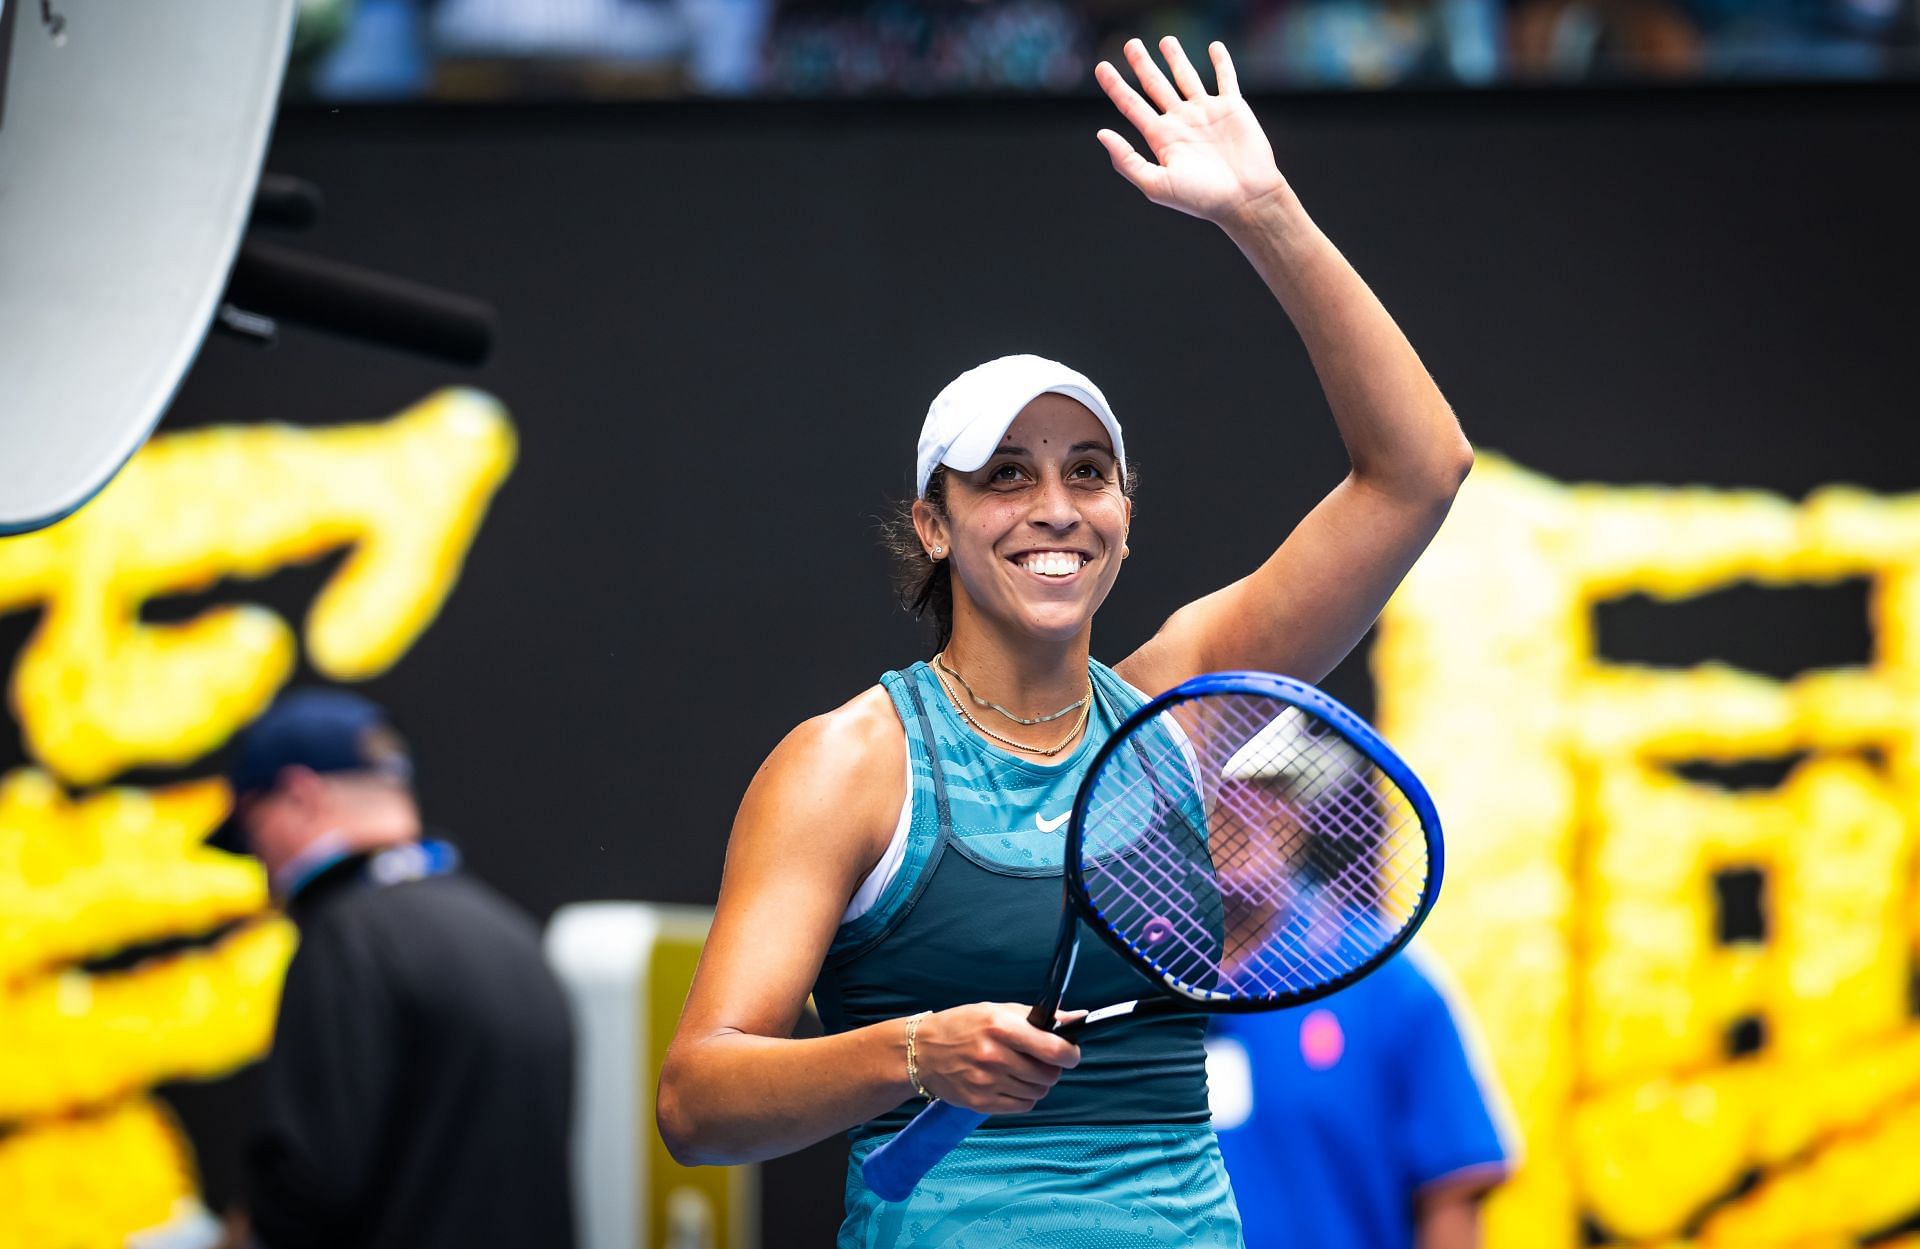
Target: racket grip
<point>895,1167</point>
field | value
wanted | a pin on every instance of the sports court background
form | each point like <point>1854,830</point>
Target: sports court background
<point>721,324</point>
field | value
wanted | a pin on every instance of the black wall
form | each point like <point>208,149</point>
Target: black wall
<point>723,324</point>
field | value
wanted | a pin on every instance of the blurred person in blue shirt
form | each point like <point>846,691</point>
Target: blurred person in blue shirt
<point>1360,1121</point>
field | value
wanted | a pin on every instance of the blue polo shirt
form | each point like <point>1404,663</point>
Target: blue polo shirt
<point>1333,1115</point>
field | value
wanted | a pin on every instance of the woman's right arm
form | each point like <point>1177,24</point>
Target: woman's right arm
<point>735,1085</point>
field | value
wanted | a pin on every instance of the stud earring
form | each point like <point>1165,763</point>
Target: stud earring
<point>938,551</point>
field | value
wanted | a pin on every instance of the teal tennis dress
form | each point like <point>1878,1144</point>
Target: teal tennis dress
<point>1120,1153</point>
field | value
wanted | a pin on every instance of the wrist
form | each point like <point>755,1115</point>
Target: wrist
<point>916,1079</point>
<point>1272,219</point>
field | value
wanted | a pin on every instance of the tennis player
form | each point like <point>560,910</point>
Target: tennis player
<point>900,856</point>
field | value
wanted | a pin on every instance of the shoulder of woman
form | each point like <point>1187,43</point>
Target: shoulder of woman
<point>862,733</point>
<point>848,765</point>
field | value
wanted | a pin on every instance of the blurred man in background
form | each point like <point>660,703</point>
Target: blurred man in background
<point>1358,1121</point>
<point>419,1088</point>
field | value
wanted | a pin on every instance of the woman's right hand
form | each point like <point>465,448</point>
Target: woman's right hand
<point>988,1058</point>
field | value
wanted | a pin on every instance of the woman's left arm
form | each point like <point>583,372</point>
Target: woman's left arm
<point>1315,597</point>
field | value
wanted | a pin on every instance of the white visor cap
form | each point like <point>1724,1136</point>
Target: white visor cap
<point>1307,765</point>
<point>968,418</point>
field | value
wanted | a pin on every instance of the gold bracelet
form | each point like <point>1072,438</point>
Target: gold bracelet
<point>913,1063</point>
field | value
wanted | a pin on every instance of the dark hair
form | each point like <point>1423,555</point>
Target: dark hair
<point>923,583</point>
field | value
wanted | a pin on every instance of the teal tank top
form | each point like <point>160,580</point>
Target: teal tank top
<point>972,914</point>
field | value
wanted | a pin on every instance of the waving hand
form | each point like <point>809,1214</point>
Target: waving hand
<point>1214,160</point>
<point>1316,595</point>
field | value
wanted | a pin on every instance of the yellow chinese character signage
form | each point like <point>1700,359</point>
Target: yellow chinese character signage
<point>1675,1083</point>
<point>86,1157</point>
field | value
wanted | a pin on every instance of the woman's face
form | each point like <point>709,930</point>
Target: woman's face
<point>1035,534</point>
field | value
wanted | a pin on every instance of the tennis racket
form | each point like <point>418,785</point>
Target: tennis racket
<point>1247,843</point>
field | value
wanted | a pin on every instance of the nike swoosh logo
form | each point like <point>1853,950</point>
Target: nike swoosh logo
<point>1046,825</point>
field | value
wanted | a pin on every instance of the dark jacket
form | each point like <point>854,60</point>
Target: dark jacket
<point>419,1091</point>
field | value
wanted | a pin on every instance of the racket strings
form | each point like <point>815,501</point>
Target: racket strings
<point>1247,851</point>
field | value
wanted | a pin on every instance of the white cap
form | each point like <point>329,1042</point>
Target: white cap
<point>968,418</point>
<point>1309,766</point>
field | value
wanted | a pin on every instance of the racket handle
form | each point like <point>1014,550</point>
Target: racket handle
<point>895,1167</point>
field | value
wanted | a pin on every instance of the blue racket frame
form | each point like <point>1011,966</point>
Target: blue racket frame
<point>1355,731</point>
<point>899,1163</point>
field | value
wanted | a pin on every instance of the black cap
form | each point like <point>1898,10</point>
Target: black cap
<point>324,730</point>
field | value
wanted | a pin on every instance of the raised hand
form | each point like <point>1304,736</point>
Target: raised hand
<point>1214,160</point>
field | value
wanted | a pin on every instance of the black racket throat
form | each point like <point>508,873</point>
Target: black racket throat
<point>1139,1008</point>
<point>1066,950</point>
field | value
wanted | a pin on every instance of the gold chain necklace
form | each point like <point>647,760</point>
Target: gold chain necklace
<point>1070,708</point>
<point>1044,752</point>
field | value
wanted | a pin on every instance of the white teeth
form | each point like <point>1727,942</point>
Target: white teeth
<point>1051,563</point>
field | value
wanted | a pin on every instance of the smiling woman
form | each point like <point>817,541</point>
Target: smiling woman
<point>925,581</point>
<point>901,856</point>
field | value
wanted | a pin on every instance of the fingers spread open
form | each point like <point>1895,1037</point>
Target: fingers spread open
<point>1225,81</point>
<point>1184,75</point>
<point>1152,81</point>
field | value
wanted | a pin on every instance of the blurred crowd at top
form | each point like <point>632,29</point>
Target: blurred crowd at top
<point>466,49</point>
